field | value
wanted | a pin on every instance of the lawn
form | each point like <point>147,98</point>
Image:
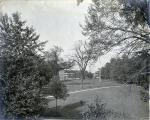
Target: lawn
<point>75,85</point>
<point>124,100</point>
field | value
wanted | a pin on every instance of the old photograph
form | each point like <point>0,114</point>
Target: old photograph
<point>74,59</point>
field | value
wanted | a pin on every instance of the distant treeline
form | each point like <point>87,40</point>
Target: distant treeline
<point>131,70</point>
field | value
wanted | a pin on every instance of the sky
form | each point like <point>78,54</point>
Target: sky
<point>57,21</point>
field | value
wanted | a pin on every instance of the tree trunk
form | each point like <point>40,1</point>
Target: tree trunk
<point>82,83</point>
<point>83,77</point>
<point>56,104</point>
<point>147,70</point>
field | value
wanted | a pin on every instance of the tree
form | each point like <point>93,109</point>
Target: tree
<point>56,62</point>
<point>20,77</point>
<point>119,23</point>
<point>133,6</point>
<point>84,55</point>
<point>53,59</point>
<point>79,1</point>
<point>58,89</point>
<point>138,7</point>
<point>112,23</point>
<point>89,75</point>
<point>127,70</point>
<point>105,71</point>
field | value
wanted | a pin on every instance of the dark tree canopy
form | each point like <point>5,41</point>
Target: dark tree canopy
<point>20,77</point>
<point>127,70</point>
<point>136,11</point>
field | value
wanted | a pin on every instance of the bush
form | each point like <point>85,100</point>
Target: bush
<point>97,111</point>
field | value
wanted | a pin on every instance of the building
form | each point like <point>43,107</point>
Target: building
<point>67,74</point>
<point>97,75</point>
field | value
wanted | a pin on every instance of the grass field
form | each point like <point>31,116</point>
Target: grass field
<point>88,83</point>
<point>74,85</point>
<point>124,100</point>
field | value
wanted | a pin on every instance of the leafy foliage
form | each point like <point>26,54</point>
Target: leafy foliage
<point>20,77</point>
<point>55,61</point>
<point>85,54</point>
<point>58,89</point>
<point>112,23</point>
<point>127,70</point>
<point>122,24</point>
<point>97,111</point>
<point>135,11</point>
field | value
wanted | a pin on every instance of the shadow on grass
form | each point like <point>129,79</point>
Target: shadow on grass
<point>67,112</point>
